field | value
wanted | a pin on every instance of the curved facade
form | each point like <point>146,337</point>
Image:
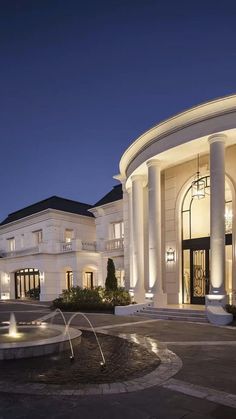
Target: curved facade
<point>179,238</point>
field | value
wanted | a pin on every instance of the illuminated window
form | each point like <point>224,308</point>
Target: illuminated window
<point>11,244</point>
<point>69,235</point>
<point>120,276</point>
<point>117,230</point>
<point>38,236</point>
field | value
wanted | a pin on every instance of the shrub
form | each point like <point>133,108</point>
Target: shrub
<point>33,293</point>
<point>231,309</point>
<point>119,297</point>
<point>96,299</point>
<point>111,280</point>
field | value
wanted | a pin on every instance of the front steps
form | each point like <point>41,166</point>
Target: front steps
<point>177,314</point>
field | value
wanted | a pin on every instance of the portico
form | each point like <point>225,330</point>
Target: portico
<point>158,169</point>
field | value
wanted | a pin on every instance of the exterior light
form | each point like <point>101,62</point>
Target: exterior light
<point>131,293</point>
<point>149,295</point>
<point>170,255</point>
<point>198,185</point>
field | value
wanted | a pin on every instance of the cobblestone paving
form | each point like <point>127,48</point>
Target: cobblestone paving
<point>123,359</point>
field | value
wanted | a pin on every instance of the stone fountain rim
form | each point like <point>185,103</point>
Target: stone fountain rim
<point>62,337</point>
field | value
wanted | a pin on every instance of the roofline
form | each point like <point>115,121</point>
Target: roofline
<point>149,135</point>
<point>47,210</point>
<point>104,205</point>
<point>47,199</point>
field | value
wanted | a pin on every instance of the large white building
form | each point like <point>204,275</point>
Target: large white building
<point>171,233</point>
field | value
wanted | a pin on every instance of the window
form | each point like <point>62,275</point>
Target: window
<point>120,276</point>
<point>11,244</point>
<point>22,240</point>
<point>69,235</point>
<point>117,230</point>
<point>38,236</point>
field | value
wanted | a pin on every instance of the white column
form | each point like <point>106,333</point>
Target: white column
<point>138,237</point>
<point>131,279</point>
<point>217,213</point>
<point>154,229</point>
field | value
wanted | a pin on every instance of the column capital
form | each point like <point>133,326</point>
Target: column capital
<point>217,137</point>
<point>139,178</point>
<point>154,162</point>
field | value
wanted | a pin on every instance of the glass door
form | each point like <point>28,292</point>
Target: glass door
<point>199,275</point>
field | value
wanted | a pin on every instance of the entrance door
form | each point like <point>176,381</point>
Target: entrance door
<point>27,283</point>
<point>199,275</point>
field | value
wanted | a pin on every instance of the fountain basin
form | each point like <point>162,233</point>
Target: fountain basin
<point>33,341</point>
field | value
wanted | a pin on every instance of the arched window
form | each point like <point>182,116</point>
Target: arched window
<point>196,213</point>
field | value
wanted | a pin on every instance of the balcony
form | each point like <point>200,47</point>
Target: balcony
<point>52,247</point>
<point>77,245</point>
<point>90,246</point>
<point>21,252</point>
<point>66,247</point>
<point>115,244</point>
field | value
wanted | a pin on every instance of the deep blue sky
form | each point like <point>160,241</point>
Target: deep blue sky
<point>80,80</point>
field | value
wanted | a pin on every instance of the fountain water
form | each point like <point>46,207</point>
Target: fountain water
<point>103,362</point>
<point>67,326</point>
<point>12,331</point>
<point>35,339</point>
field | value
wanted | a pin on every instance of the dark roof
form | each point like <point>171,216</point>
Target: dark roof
<point>114,195</point>
<point>54,202</point>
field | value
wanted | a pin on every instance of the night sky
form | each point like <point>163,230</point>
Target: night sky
<point>80,80</point>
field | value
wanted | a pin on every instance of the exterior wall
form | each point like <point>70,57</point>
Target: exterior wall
<point>50,257</point>
<point>106,215</point>
<point>53,224</point>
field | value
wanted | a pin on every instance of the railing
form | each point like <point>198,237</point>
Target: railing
<point>21,252</point>
<point>67,247</point>
<point>54,247</point>
<point>115,244</point>
<point>91,246</point>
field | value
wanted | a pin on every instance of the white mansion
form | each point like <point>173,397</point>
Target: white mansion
<point>169,225</point>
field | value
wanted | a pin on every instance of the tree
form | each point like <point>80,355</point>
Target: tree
<point>111,280</point>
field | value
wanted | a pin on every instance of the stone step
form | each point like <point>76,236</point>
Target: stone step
<point>175,313</point>
<point>176,310</point>
<point>159,316</point>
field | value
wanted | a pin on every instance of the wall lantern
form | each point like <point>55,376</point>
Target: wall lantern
<point>198,185</point>
<point>170,255</point>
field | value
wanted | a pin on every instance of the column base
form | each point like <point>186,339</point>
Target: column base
<point>159,300</point>
<point>215,311</point>
<point>139,296</point>
<point>216,300</point>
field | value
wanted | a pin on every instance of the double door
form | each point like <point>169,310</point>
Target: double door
<point>199,275</point>
<point>196,271</point>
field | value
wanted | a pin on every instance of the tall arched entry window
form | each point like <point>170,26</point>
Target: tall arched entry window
<point>196,244</point>
<point>27,283</point>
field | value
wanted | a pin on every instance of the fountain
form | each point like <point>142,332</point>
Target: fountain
<point>32,340</point>
<point>12,326</point>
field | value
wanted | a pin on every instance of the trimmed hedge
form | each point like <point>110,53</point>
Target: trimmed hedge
<point>97,299</point>
<point>33,293</point>
<point>231,309</point>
